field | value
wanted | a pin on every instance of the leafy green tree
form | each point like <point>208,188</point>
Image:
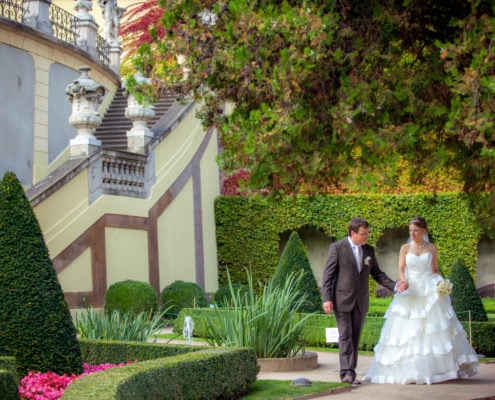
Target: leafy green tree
<point>293,260</point>
<point>464,296</point>
<point>323,90</point>
<point>35,323</point>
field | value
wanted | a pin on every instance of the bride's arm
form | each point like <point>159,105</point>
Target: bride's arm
<point>402,262</point>
<point>434,261</point>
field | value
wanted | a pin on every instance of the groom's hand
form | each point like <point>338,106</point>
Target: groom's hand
<point>327,307</point>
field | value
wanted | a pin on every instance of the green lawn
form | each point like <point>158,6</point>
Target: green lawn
<point>284,390</point>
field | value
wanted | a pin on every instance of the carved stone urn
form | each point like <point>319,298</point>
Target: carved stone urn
<point>139,135</point>
<point>85,95</point>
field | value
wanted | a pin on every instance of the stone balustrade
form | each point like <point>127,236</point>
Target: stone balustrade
<point>79,30</point>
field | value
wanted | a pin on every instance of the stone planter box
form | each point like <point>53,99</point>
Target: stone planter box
<point>306,361</point>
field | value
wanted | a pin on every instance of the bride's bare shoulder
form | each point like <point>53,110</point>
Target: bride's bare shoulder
<point>431,247</point>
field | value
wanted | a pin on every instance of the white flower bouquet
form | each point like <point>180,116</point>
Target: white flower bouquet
<point>444,287</point>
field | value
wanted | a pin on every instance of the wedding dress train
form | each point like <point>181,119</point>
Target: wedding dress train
<point>421,341</point>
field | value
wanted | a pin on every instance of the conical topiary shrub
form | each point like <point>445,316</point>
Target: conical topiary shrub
<point>464,296</point>
<point>35,323</point>
<point>294,258</point>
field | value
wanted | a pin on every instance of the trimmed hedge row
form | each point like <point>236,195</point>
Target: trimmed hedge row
<point>8,363</point>
<point>483,333</point>
<point>452,221</point>
<point>9,380</point>
<point>164,372</point>
<point>8,385</point>
<point>115,351</point>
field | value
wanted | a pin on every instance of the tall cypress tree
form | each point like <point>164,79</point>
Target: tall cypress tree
<point>465,298</point>
<point>294,258</point>
<point>35,322</point>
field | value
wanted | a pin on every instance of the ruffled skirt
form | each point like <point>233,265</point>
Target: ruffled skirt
<point>422,341</point>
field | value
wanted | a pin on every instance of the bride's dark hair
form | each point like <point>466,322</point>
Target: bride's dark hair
<point>419,221</point>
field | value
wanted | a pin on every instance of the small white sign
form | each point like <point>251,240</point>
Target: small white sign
<point>332,335</point>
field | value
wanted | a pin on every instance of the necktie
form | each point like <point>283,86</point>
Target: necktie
<point>357,256</point>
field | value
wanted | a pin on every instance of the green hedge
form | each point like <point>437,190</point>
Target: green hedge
<point>8,385</point>
<point>483,333</point>
<point>164,373</point>
<point>8,363</point>
<point>9,380</point>
<point>114,351</point>
<point>249,228</point>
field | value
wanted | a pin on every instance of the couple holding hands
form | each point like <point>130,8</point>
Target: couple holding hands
<point>421,341</point>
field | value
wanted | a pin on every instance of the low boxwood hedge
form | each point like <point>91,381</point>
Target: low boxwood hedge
<point>482,333</point>
<point>204,374</point>
<point>164,372</point>
<point>9,380</point>
<point>8,385</point>
<point>114,351</point>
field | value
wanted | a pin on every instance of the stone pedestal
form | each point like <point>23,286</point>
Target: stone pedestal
<point>87,28</point>
<point>36,15</point>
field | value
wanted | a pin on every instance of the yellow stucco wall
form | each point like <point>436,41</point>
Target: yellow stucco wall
<point>78,278</point>
<point>67,214</point>
<point>210,188</point>
<point>176,240</point>
<point>126,254</point>
<point>62,216</point>
<point>175,151</point>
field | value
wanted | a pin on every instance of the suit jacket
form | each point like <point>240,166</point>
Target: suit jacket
<point>343,284</point>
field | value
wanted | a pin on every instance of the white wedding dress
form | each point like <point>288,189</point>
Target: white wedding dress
<point>421,341</point>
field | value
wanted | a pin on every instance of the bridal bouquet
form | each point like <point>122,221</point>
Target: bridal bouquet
<point>444,287</point>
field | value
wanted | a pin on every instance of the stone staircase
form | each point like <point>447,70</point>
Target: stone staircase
<point>112,131</point>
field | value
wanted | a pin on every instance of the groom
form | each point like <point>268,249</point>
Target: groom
<point>345,290</point>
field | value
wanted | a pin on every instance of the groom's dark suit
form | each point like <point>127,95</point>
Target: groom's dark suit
<point>348,290</point>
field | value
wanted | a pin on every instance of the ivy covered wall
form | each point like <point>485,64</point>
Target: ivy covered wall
<point>249,228</point>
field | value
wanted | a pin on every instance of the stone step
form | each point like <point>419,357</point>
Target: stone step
<point>113,129</point>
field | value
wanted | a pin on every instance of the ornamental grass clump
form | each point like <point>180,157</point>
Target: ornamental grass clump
<point>118,326</point>
<point>269,322</point>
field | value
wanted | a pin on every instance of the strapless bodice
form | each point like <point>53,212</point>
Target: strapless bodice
<point>418,263</point>
<point>419,275</point>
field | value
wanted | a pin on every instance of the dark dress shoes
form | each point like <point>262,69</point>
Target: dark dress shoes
<point>348,379</point>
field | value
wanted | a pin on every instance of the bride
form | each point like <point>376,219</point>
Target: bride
<point>422,341</point>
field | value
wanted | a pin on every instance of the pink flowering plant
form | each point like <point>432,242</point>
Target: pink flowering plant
<point>51,386</point>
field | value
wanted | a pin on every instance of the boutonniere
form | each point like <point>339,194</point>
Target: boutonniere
<point>367,261</point>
